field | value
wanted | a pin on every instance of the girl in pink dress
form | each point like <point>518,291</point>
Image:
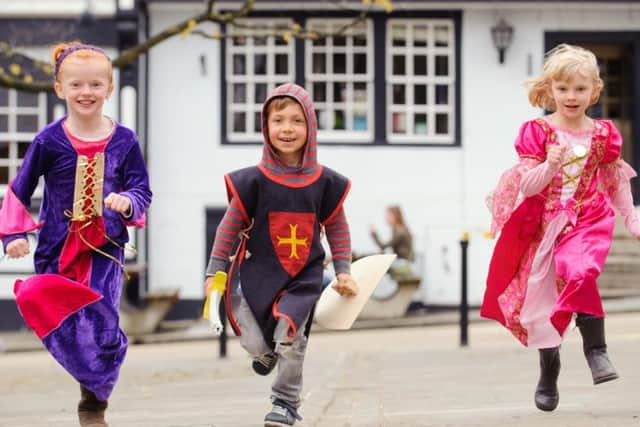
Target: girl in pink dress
<point>555,213</point>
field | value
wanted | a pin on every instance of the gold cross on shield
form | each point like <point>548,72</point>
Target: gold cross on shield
<point>292,240</point>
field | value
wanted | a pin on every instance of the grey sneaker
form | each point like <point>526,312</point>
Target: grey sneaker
<point>264,364</point>
<point>281,415</point>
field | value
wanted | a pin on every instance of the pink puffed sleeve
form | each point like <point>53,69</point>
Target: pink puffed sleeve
<point>530,145</point>
<point>614,175</point>
<point>614,143</point>
<point>530,142</point>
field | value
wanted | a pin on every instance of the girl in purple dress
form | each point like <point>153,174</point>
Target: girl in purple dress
<point>95,185</point>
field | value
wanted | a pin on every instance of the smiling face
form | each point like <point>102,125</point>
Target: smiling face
<point>287,132</point>
<point>85,84</point>
<point>573,96</point>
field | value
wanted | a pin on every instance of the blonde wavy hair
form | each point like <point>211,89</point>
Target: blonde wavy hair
<point>562,63</point>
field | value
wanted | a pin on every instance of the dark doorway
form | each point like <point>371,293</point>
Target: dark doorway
<point>192,308</point>
<point>618,56</point>
<point>214,216</point>
<point>615,61</point>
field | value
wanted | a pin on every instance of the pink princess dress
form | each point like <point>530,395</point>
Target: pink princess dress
<point>556,228</point>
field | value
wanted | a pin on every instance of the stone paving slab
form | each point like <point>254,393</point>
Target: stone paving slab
<point>183,331</point>
<point>391,377</point>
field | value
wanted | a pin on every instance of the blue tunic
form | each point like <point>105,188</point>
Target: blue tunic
<point>282,277</point>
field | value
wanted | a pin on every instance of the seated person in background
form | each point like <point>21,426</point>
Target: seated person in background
<point>401,242</point>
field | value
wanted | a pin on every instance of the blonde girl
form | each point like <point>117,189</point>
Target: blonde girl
<point>555,214</point>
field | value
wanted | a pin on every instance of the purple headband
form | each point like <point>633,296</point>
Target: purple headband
<point>68,51</point>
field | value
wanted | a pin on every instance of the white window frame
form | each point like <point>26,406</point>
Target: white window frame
<point>430,80</point>
<point>12,111</point>
<point>348,135</point>
<point>250,79</point>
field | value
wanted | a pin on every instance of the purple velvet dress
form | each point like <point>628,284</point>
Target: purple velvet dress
<point>75,310</point>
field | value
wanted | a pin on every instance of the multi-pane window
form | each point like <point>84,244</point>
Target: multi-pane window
<point>21,116</point>
<point>420,81</point>
<point>339,76</point>
<point>417,66</point>
<point>255,64</point>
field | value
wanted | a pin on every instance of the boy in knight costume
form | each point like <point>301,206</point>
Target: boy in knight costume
<point>72,302</point>
<point>279,209</point>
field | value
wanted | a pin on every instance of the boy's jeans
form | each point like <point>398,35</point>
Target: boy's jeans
<point>287,385</point>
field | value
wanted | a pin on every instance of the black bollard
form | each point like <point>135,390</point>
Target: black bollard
<point>223,334</point>
<point>464,303</point>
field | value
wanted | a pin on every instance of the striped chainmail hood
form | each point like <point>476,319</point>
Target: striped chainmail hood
<point>271,163</point>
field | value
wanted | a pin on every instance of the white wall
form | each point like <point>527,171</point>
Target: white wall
<point>184,162</point>
<point>55,8</point>
<point>441,190</point>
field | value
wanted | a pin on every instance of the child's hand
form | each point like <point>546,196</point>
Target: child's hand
<point>18,248</point>
<point>118,203</point>
<point>207,284</point>
<point>345,285</point>
<point>555,154</point>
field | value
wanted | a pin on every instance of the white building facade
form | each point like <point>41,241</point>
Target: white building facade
<point>414,107</point>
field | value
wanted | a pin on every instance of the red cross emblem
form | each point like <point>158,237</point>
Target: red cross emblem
<point>292,235</point>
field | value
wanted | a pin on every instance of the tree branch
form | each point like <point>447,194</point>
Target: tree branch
<point>16,77</point>
<point>185,28</point>
<point>25,82</point>
<point>210,4</point>
<point>11,82</point>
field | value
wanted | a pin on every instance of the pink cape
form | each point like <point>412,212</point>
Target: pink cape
<point>517,235</point>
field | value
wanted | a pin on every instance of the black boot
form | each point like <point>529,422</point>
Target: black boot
<point>91,410</point>
<point>547,396</point>
<point>595,348</point>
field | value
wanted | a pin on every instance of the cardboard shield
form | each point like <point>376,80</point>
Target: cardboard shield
<point>336,312</point>
<point>292,236</point>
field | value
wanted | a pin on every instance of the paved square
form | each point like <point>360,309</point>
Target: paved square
<point>386,377</point>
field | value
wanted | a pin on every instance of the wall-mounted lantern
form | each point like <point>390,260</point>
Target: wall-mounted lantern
<point>502,34</point>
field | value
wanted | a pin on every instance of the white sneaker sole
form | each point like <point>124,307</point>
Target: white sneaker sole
<point>275,424</point>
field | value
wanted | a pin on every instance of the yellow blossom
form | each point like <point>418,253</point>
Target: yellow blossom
<point>15,69</point>
<point>387,4</point>
<point>192,23</point>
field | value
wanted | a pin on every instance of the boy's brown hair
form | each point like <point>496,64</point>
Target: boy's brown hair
<point>279,103</point>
